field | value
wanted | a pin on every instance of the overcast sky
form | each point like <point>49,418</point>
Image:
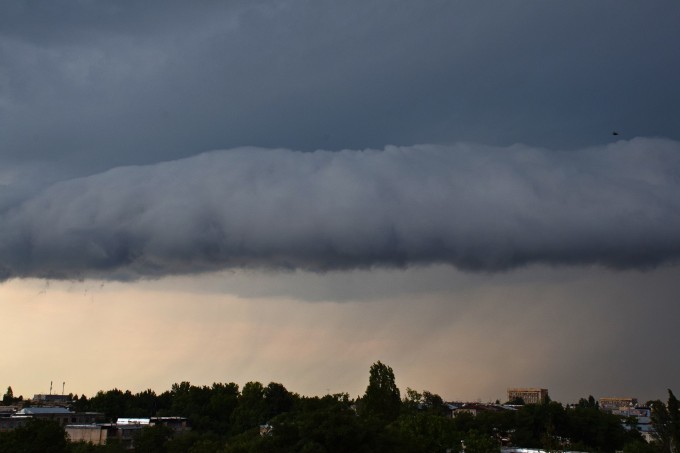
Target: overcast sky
<point>293,190</point>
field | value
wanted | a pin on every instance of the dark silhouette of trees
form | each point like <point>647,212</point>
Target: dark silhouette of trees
<point>37,436</point>
<point>590,402</point>
<point>666,422</point>
<point>8,397</point>
<point>328,424</point>
<point>382,399</point>
<point>250,410</point>
<point>153,439</point>
<point>225,419</point>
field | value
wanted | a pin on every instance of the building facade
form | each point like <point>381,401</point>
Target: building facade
<point>610,403</point>
<point>61,415</point>
<point>530,395</point>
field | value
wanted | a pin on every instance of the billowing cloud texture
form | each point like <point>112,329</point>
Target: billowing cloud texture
<point>474,207</point>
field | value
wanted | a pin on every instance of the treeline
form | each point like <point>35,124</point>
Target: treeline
<point>225,419</point>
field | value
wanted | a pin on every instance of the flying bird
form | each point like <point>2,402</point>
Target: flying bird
<point>615,133</point>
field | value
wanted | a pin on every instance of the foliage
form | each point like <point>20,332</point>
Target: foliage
<point>250,410</point>
<point>110,447</point>
<point>426,432</point>
<point>381,400</point>
<point>588,403</point>
<point>641,446</point>
<point>479,443</point>
<point>666,422</point>
<point>37,436</point>
<point>224,419</point>
<point>8,397</point>
<point>153,439</point>
<point>324,424</point>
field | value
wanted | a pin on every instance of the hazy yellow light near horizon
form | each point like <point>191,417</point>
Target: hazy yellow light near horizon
<point>469,340</point>
<point>99,336</point>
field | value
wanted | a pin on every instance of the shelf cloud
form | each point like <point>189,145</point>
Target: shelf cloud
<point>475,207</point>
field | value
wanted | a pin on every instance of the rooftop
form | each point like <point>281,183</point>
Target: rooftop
<point>43,410</point>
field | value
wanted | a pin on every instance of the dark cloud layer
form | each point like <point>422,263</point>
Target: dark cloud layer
<point>474,207</point>
<point>97,85</point>
<point>92,89</point>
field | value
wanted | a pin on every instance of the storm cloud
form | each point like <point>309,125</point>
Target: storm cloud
<point>471,206</point>
<point>92,86</point>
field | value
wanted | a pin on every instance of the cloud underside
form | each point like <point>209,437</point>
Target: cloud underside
<point>474,207</point>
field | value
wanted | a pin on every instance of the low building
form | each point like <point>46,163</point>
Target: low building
<point>12,423</point>
<point>103,433</point>
<point>530,395</point>
<point>50,399</point>
<point>123,431</point>
<point>610,403</point>
<point>642,418</point>
<point>476,408</point>
<point>7,411</point>
<point>451,408</point>
<point>94,434</point>
<point>61,415</point>
<point>177,424</point>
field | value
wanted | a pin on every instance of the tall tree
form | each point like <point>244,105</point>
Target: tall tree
<point>674,417</point>
<point>277,400</point>
<point>251,407</point>
<point>666,422</point>
<point>8,397</point>
<point>382,399</point>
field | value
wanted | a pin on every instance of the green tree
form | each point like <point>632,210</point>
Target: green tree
<point>88,447</point>
<point>322,424</point>
<point>640,446</point>
<point>434,403</point>
<point>412,401</point>
<point>190,401</point>
<point>113,403</point>
<point>143,404</point>
<point>81,404</point>
<point>590,402</point>
<point>37,436</point>
<point>674,418</point>
<point>250,410</point>
<point>221,405</point>
<point>480,443</point>
<point>666,422</point>
<point>8,397</point>
<point>277,400</point>
<point>153,439</point>
<point>382,399</point>
<point>424,431</point>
